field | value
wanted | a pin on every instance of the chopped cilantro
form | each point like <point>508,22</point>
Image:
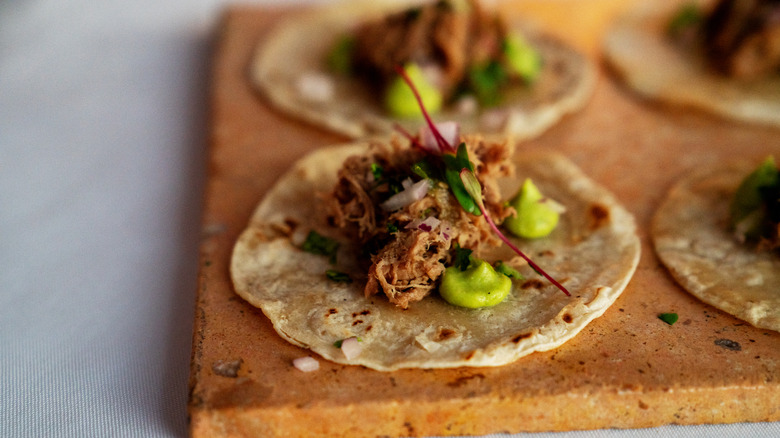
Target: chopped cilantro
<point>378,171</point>
<point>395,185</point>
<point>687,16</point>
<point>669,318</point>
<point>426,170</point>
<point>392,228</point>
<point>339,343</point>
<point>339,277</point>
<point>316,243</point>
<point>454,164</point>
<point>509,271</point>
<point>462,258</point>
<point>339,59</point>
<point>486,82</point>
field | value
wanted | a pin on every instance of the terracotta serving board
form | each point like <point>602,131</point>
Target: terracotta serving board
<point>627,369</point>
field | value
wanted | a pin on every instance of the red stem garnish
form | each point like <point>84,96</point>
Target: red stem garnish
<point>469,180</point>
<point>474,189</point>
<point>443,144</point>
<point>415,142</point>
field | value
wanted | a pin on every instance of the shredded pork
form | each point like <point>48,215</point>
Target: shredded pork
<point>443,38</point>
<point>406,260</point>
<point>742,38</point>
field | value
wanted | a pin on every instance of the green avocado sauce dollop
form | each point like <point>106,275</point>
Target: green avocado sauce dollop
<point>479,285</point>
<point>535,217</point>
<point>522,58</point>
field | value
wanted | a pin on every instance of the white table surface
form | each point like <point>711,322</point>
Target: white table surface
<point>102,149</point>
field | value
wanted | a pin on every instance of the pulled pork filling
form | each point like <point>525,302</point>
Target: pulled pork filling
<point>408,245</point>
<point>445,39</point>
<point>742,38</point>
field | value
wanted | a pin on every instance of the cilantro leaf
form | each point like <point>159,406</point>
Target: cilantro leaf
<point>462,258</point>
<point>377,171</point>
<point>509,271</point>
<point>486,82</point>
<point>426,170</point>
<point>316,243</point>
<point>669,318</point>
<point>453,165</point>
<point>338,277</point>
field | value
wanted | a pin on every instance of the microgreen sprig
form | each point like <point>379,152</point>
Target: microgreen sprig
<point>459,173</point>
<point>444,146</point>
<point>474,189</point>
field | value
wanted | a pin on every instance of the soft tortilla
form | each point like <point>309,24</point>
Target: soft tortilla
<point>637,47</point>
<point>594,252</point>
<point>298,47</point>
<point>691,237</point>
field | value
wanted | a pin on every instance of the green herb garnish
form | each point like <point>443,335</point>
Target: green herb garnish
<point>339,59</point>
<point>486,82</point>
<point>669,318</point>
<point>689,15</point>
<point>316,243</point>
<point>340,342</point>
<point>474,189</point>
<point>338,277</point>
<point>462,258</point>
<point>453,166</point>
<point>377,171</point>
<point>467,184</point>
<point>426,170</point>
<point>509,271</point>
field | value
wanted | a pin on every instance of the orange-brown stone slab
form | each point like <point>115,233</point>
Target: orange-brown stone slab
<point>627,369</point>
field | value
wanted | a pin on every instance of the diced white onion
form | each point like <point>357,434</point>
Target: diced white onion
<point>306,364</point>
<point>446,232</point>
<point>433,74</point>
<point>415,192</point>
<point>430,222</point>
<point>467,105</point>
<point>493,119</point>
<point>351,348</point>
<point>315,87</point>
<point>450,131</point>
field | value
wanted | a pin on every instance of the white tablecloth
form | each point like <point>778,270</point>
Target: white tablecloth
<point>102,148</point>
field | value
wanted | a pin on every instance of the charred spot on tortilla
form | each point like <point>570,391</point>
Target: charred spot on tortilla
<point>520,337</point>
<point>533,283</point>
<point>444,334</point>
<point>599,216</point>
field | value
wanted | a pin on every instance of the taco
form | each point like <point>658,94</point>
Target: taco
<point>335,67</point>
<point>375,270</point>
<point>719,240</point>
<point>720,57</point>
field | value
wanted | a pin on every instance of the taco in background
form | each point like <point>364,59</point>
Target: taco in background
<point>336,67</point>
<point>318,298</point>
<point>722,57</point>
<point>717,233</point>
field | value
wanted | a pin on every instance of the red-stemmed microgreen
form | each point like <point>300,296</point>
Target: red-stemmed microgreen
<point>474,189</point>
<point>459,173</point>
<point>444,146</point>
